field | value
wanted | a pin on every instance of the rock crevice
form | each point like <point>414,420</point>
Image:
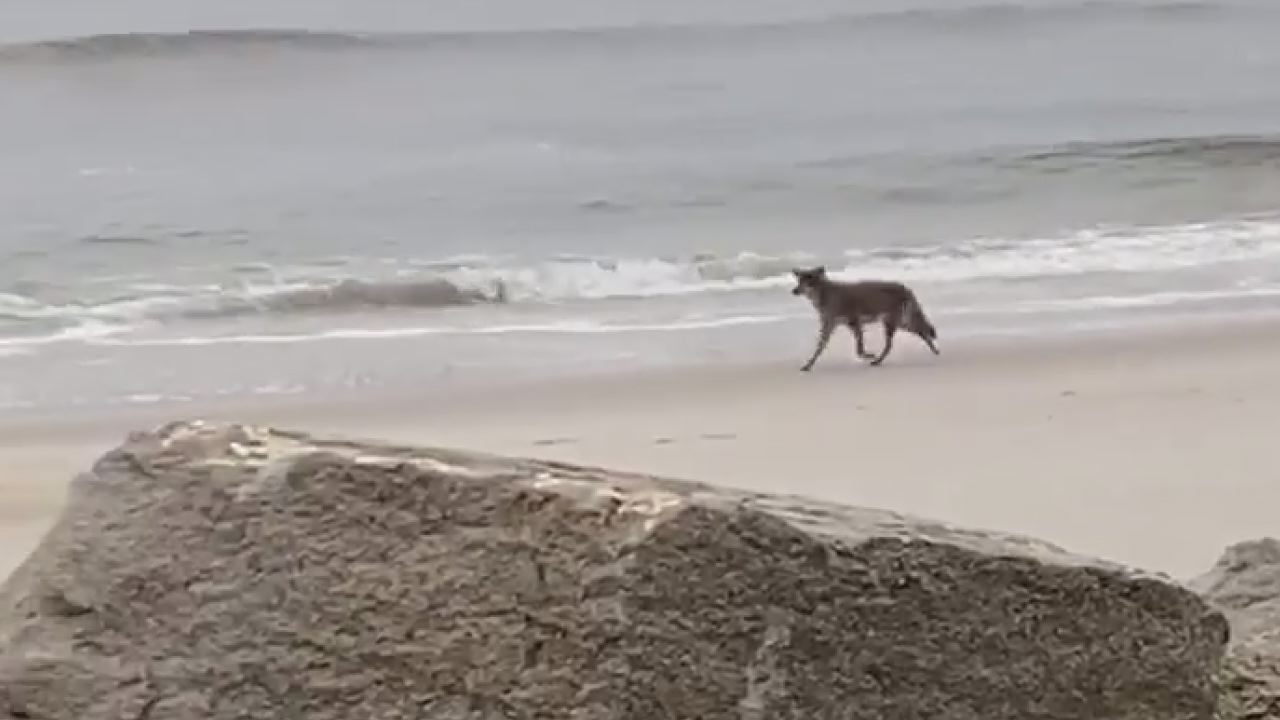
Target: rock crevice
<point>1245,585</point>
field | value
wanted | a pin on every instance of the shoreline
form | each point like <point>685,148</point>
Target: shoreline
<point>92,378</point>
<point>1146,448</point>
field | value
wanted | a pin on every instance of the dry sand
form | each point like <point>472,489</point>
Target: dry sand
<point>1154,450</point>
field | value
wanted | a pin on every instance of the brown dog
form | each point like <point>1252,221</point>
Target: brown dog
<point>855,303</point>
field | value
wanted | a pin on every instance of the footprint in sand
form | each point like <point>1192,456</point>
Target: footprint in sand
<point>555,441</point>
<point>704,436</point>
<point>719,436</point>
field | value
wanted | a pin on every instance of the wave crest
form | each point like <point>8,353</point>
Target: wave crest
<point>1208,149</point>
<point>354,294</point>
<point>980,15</point>
<point>115,45</point>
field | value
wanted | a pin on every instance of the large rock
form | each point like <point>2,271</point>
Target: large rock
<point>234,572</point>
<point>1245,584</point>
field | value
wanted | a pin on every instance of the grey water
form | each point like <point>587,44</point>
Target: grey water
<point>205,199</point>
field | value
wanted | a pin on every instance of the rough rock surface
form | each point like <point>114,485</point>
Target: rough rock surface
<point>1245,585</point>
<point>235,572</point>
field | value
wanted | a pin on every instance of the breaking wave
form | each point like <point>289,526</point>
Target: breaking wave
<point>348,294</point>
<point>426,286</point>
<point>160,302</point>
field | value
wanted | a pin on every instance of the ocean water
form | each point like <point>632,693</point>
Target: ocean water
<point>205,199</point>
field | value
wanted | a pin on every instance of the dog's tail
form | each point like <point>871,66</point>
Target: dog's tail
<point>918,321</point>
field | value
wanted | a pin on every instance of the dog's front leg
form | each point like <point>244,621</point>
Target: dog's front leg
<point>856,328</point>
<point>824,336</point>
<point>889,329</point>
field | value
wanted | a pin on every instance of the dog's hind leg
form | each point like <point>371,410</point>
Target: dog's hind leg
<point>824,336</point>
<point>919,325</point>
<point>927,340</point>
<point>856,328</point>
<point>890,327</point>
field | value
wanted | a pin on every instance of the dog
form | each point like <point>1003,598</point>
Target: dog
<point>854,303</point>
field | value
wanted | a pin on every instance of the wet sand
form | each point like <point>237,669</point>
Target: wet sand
<point>1152,449</point>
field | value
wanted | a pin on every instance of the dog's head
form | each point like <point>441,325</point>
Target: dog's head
<point>808,281</point>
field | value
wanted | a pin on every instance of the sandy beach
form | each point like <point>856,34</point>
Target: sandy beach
<point>1153,449</point>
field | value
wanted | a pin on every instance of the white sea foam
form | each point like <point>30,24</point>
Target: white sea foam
<point>565,327</point>
<point>567,282</point>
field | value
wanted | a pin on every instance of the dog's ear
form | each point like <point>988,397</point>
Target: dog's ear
<point>820,271</point>
<point>797,272</point>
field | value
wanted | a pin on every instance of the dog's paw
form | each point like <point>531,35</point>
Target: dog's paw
<point>806,368</point>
